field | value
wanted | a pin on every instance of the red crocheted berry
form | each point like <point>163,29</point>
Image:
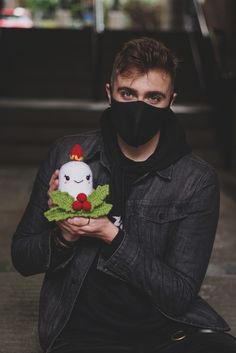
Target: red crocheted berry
<point>87,205</point>
<point>81,197</point>
<point>77,205</point>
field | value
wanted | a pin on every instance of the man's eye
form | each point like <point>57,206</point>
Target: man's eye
<point>67,177</point>
<point>88,177</point>
<point>126,94</point>
<point>154,99</point>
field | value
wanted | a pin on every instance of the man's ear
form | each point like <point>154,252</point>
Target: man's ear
<point>108,92</point>
<point>173,97</point>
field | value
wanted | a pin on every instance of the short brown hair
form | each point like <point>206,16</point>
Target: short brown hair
<point>142,55</point>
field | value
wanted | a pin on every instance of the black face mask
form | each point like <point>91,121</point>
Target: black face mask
<point>137,122</point>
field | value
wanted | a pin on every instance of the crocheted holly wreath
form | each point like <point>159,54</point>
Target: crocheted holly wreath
<point>64,205</point>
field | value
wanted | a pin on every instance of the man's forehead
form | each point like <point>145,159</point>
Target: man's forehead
<point>152,80</point>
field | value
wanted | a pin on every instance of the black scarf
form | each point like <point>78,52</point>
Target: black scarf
<point>171,147</point>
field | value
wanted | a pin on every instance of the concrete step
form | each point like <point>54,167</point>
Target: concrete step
<point>19,308</point>
<point>219,292</point>
<point>19,313</point>
<point>28,127</point>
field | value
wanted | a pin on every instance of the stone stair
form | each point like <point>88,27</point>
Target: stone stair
<point>19,308</point>
<point>28,127</point>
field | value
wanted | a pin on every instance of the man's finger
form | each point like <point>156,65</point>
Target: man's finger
<point>53,183</point>
<point>68,226</point>
<point>78,221</point>
<point>50,204</point>
<point>53,186</point>
<point>54,176</point>
<point>74,235</point>
<point>64,226</point>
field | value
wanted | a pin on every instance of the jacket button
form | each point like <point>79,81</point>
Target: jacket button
<point>178,336</point>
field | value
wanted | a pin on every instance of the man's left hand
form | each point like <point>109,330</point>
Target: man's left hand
<point>100,227</point>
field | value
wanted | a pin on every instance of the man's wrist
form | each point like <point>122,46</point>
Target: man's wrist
<point>109,248</point>
<point>112,232</point>
<point>61,242</point>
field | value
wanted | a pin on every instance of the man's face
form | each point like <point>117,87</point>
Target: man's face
<point>154,88</point>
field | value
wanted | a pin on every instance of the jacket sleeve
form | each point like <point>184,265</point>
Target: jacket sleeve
<point>173,283</point>
<point>31,244</point>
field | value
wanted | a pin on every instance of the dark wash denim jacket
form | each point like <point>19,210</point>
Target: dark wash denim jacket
<point>171,219</point>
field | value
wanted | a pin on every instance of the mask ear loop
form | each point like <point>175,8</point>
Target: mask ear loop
<point>111,95</point>
<point>172,99</point>
<point>110,92</point>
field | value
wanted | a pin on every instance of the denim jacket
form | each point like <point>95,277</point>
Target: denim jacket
<point>170,225</point>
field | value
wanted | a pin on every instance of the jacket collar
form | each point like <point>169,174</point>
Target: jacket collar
<point>96,147</point>
<point>166,173</point>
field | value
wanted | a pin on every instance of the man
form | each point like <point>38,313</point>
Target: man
<point>129,282</point>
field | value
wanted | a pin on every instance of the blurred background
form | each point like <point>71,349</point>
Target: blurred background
<point>55,58</point>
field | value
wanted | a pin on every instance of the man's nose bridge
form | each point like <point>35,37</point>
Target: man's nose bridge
<point>139,111</point>
<point>141,97</point>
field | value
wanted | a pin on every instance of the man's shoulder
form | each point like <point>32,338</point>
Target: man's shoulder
<point>91,136</point>
<point>196,162</point>
<point>195,168</point>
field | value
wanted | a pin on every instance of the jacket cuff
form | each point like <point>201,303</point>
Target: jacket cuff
<point>109,249</point>
<point>121,262</point>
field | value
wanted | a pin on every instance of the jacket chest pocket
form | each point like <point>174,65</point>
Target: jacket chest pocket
<point>156,225</point>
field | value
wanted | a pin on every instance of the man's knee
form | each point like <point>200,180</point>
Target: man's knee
<point>201,342</point>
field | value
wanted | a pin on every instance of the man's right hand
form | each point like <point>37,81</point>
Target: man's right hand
<point>63,225</point>
<point>53,186</point>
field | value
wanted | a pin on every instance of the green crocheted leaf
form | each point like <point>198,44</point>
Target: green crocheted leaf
<point>102,210</point>
<point>56,214</point>
<point>64,210</point>
<point>98,195</point>
<point>62,199</point>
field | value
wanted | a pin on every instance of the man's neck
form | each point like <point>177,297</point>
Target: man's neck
<point>140,153</point>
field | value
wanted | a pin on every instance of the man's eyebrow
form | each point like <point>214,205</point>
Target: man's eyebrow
<point>157,93</point>
<point>132,90</point>
<point>147,94</point>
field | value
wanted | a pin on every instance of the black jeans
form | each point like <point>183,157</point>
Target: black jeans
<point>193,341</point>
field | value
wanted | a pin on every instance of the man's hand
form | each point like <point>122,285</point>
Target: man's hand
<point>73,228</point>
<point>100,227</point>
<point>53,185</point>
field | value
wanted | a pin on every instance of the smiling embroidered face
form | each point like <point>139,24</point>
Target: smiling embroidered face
<point>76,177</point>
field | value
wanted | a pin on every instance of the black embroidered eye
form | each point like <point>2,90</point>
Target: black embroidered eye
<point>67,177</point>
<point>88,177</point>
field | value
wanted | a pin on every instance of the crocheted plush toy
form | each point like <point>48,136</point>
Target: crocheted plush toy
<point>75,196</point>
